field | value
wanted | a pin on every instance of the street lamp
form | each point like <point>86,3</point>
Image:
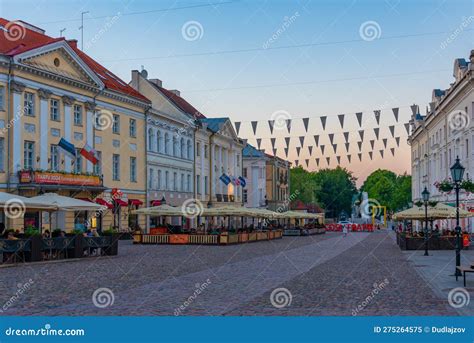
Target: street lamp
<point>426,196</point>
<point>457,172</point>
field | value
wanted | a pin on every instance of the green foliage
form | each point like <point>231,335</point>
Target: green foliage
<point>303,185</point>
<point>32,231</point>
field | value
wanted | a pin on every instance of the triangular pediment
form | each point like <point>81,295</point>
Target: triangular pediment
<point>227,130</point>
<point>60,59</point>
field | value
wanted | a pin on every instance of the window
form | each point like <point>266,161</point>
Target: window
<point>116,124</point>
<point>467,148</point>
<point>198,184</point>
<point>54,109</point>
<point>182,183</point>
<point>175,181</point>
<point>151,138</point>
<point>54,158</point>
<point>78,115</point>
<point>167,180</point>
<point>29,104</point>
<point>206,151</point>
<point>188,183</point>
<point>238,160</point>
<point>159,143</point>
<point>183,149</point>
<point>206,190</point>
<point>244,195</point>
<point>198,149</point>
<point>159,180</point>
<point>189,151</point>
<point>133,128</point>
<point>28,155</point>
<point>167,143</point>
<point>2,97</point>
<point>133,169</point>
<point>175,146</point>
<point>78,163</point>
<point>244,172</point>
<point>116,167</point>
<point>98,165</point>
<point>151,177</point>
<point>2,154</point>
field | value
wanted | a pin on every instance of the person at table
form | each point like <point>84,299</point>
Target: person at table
<point>46,234</point>
<point>11,236</point>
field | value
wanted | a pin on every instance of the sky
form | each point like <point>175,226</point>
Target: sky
<point>261,60</point>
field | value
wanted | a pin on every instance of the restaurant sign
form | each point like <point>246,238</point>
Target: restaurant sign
<point>52,178</point>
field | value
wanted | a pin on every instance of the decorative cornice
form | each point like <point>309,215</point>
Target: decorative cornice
<point>44,94</point>
<point>68,100</point>
<point>90,106</point>
<point>17,87</point>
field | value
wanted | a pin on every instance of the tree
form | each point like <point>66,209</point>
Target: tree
<point>302,185</point>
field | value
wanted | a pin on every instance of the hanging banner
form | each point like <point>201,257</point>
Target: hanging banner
<point>288,125</point>
<point>254,126</point>
<point>310,149</point>
<point>392,150</point>
<point>392,130</point>
<point>287,141</point>
<point>323,122</point>
<point>338,158</point>
<point>349,158</point>
<point>316,140</point>
<point>334,146</point>
<point>395,113</point>
<point>305,123</point>
<point>317,162</point>
<point>322,149</point>
<point>397,139</point>
<point>298,149</point>
<point>307,163</point>
<point>271,123</point>
<point>331,137</point>
<point>361,135</point>
<point>407,127</point>
<point>259,143</point>
<point>360,145</point>
<point>384,143</point>
<point>346,136</point>
<point>360,156</point>
<point>301,141</point>
<point>376,131</point>
<point>341,120</point>
<point>372,142</point>
<point>273,140</point>
<point>359,118</point>
<point>347,146</point>
<point>237,127</point>
<point>377,116</point>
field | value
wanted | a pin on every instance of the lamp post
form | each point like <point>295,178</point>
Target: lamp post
<point>457,172</point>
<point>426,196</point>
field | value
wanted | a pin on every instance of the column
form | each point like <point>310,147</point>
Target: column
<point>18,110</point>
<point>44,96</point>
<point>90,107</point>
<point>219,168</point>
<point>67,101</point>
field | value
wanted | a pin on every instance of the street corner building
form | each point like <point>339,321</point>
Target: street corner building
<point>445,132</point>
<point>70,126</point>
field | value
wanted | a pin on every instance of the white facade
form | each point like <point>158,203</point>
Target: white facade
<point>254,172</point>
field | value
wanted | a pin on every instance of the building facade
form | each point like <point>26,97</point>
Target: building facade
<point>445,132</point>
<point>277,183</point>
<point>254,171</point>
<point>50,90</point>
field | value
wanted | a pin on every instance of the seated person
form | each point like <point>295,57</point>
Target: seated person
<point>11,236</point>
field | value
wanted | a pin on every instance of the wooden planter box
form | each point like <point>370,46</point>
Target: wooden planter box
<point>179,239</point>
<point>243,237</point>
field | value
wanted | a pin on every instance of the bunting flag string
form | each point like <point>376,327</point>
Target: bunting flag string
<point>317,162</point>
<point>259,143</point>
<point>360,145</point>
<point>287,141</point>
<point>347,146</point>
<point>286,152</point>
<point>316,140</point>
<point>395,113</point>
<point>381,153</point>
<point>296,163</point>
<point>310,149</point>
<point>331,138</point>
<point>407,127</point>
<point>377,116</point>
<point>254,127</point>
<point>273,140</point>
<point>372,142</point>
<point>392,130</point>
<point>323,122</point>
<point>397,139</point>
<point>393,151</point>
<point>271,124</point>
<point>275,151</point>
<point>361,135</point>
<point>298,149</point>
<point>307,163</point>
<point>341,120</point>
<point>370,155</point>
<point>334,146</point>
<point>349,158</point>
<point>359,118</point>
<point>328,160</point>
<point>346,136</point>
<point>376,131</point>
<point>338,158</point>
<point>322,148</point>
<point>384,142</point>
<point>302,140</point>
<point>237,127</point>
<point>360,156</point>
<point>306,123</point>
<point>288,125</point>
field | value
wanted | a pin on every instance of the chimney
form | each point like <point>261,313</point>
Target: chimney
<point>31,27</point>
<point>175,92</point>
<point>135,80</point>
<point>471,57</point>
<point>157,82</point>
<point>73,43</point>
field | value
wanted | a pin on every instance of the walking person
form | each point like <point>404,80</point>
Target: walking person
<point>344,230</point>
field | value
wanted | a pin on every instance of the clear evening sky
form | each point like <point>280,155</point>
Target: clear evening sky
<point>253,58</point>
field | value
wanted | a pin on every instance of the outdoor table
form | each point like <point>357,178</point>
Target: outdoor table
<point>464,270</point>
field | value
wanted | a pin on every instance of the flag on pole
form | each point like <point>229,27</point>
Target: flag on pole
<point>90,154</point>
<point>68,147</point>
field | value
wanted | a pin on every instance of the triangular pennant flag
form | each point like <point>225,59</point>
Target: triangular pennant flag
<point>331,137</point>
<point>323,122</point>
<point>360,156</point>
<point>397,139</point>
<point>384,143</point>
<point>317,162</point>
<point>254,126</point>
<point>307,163</point>
<point>377,116</point>
<point>381,153</point>
<point>271,123</point>
<point>392,151</point>
<point>245,140</point>
<point>370,155</point>
<point>334,146</point>
<point>414,109</point>
<point>376,131</point>
<point>347,146</point>
<point>259,143</point>
<point>360,145</point>
<point>361,134</point>
<point>322,149</point>
<point>301,141</point>
<point>395,113</point>
<point>310,149</point>
<point>273,140</point>
<point>237,127</point>
<point>288,125</point>
<point>328,160</point>
<point>346,136</point>
<point>338,158</point>
<point>407,127</point>
<point>341,120</point>
<point>274,151</point>
<point>286,152</point>
<point>392,130</point>
<point>297,162</point>
<point>372,142</point>
<point>287,141</point>
<point>349,158</point>
<point>298,149</point>
<point>359,118</point>
<point>316,139</point>
<point>305,123</point>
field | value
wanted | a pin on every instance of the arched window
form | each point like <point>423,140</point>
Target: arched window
<point>159,145</point>
<point>175,146</point>
<point>190,153</point>
<point>183,148</point>
<point>151,139</point>
<point>167,143</point>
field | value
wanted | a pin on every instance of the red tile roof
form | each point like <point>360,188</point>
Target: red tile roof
<point>180,102</point>
<point>30,39</point>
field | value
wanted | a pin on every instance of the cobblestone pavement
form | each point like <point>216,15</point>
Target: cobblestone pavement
<point>326,275</point>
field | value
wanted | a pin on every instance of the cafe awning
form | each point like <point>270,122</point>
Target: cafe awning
<point>440,211</point>
<point>162,210</point>
<point>65,203</point>
<point>8,199</point>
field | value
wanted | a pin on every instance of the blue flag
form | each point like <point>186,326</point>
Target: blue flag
<point>68,147</point>
<point>243,183</point>
<point>225,178</point>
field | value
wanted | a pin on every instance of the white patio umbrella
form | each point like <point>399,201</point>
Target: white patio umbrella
<point>64,203</point>
<point>9,201</point>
